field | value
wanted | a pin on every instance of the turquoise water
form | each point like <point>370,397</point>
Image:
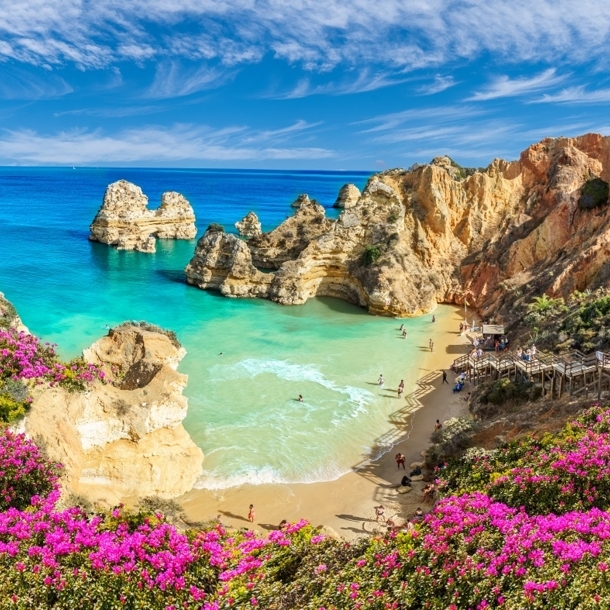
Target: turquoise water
<point>243,411</point>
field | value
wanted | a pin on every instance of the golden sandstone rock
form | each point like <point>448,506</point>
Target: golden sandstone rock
<point>125,221</point>
<point>433,233</point>
<point>123,439</point>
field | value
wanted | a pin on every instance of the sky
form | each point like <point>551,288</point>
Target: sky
<point>297,84</point>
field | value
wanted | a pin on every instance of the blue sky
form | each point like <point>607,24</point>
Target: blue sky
<point>311,84</point>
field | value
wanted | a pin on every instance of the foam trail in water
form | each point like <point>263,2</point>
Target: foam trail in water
<point>265,476</point>
<point>251,367</point>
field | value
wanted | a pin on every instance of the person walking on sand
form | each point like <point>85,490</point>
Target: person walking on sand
<point>401,387</point>
<point>400,461</point>
<point>431,345</point>
<point>445,377</point>
<point>381,380</point>
<point>438,425</point>
<point>404,334</point>
<point>401,327</point>
<point>300,398</point>
<point>433,318</point>
<point>251,514</point>
<point>379,513</point>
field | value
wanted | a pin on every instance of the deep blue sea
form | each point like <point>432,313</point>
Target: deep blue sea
<point>242,407</point>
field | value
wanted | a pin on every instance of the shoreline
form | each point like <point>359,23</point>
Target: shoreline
<point>346,504</point>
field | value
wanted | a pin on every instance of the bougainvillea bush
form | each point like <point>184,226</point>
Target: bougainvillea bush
<point>551,474</point>
<point>486,544</point>
<point>25,360</point>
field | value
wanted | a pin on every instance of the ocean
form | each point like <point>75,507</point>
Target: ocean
<point>243,407</point>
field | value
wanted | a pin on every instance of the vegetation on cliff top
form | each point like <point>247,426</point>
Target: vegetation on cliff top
<point>26,361</point>
<point>153,328</point>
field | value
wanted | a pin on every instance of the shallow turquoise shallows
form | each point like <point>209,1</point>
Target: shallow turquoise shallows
<point>243,407</point>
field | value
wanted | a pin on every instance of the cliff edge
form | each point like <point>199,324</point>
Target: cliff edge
<point>125,438</point>
<point>434,233</point>
<point>125,221</point>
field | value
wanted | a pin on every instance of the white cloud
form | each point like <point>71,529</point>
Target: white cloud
<point>174,80</point>
<point>420,116</point>
<point>22,84</point>
<point>154,145</point>
<point>504,86</point>
<point>576,95</point>
<point>440,83</point>
<point>367,80</point>
<point>319,34</point>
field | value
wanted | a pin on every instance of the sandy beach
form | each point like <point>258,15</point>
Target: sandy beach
<point>347,504</point>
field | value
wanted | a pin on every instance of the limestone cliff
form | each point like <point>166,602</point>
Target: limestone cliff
<point>9,318</point>
<point>435,233</point>
<point>122,439</point>
<point>125,221</point>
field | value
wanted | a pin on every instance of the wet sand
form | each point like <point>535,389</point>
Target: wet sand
<point>347,504</point>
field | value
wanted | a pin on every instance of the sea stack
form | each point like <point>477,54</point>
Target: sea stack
<point>249,225</point>
<point>125,221</point>
<point>348,196</point>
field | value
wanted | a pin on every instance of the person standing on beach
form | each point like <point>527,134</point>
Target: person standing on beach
<point>431,344</point>
<point>300,398</point>
<point>381,380</point>
<point>433,318</point>
<point>251,514</point>
<point>445,377</point>
<point>401,387</point>
<point>438,425</point>
<point>400,461</point>
<point>404,334</point>
<point>401,327</point>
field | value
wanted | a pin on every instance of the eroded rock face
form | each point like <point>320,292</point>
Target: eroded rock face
<point>434,233</point>
<point>9,318</point>
<point>249,225</point>
<point>348,196</point>
<point>125,221</point>
<point>302,199</point>
<point>124,439</point>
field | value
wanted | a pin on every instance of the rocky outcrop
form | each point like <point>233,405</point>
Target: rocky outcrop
<point>302,199</point>
<point>9,318</point>
<point>249,225</point>
<point>122,439</point>
<point>436,233</point>
<point>348,196</point>
<point>125,221</point>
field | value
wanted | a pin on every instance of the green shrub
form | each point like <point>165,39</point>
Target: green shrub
<point>450,440</point>
<point>214,227</point>
<point>594,193</point>
<point>370,255</point>
<point>505,390</point>
<point>14,400</point>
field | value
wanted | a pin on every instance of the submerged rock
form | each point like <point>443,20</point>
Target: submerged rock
<point>125,221</point>
<point>122,439</point>
<point>249,225</point>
